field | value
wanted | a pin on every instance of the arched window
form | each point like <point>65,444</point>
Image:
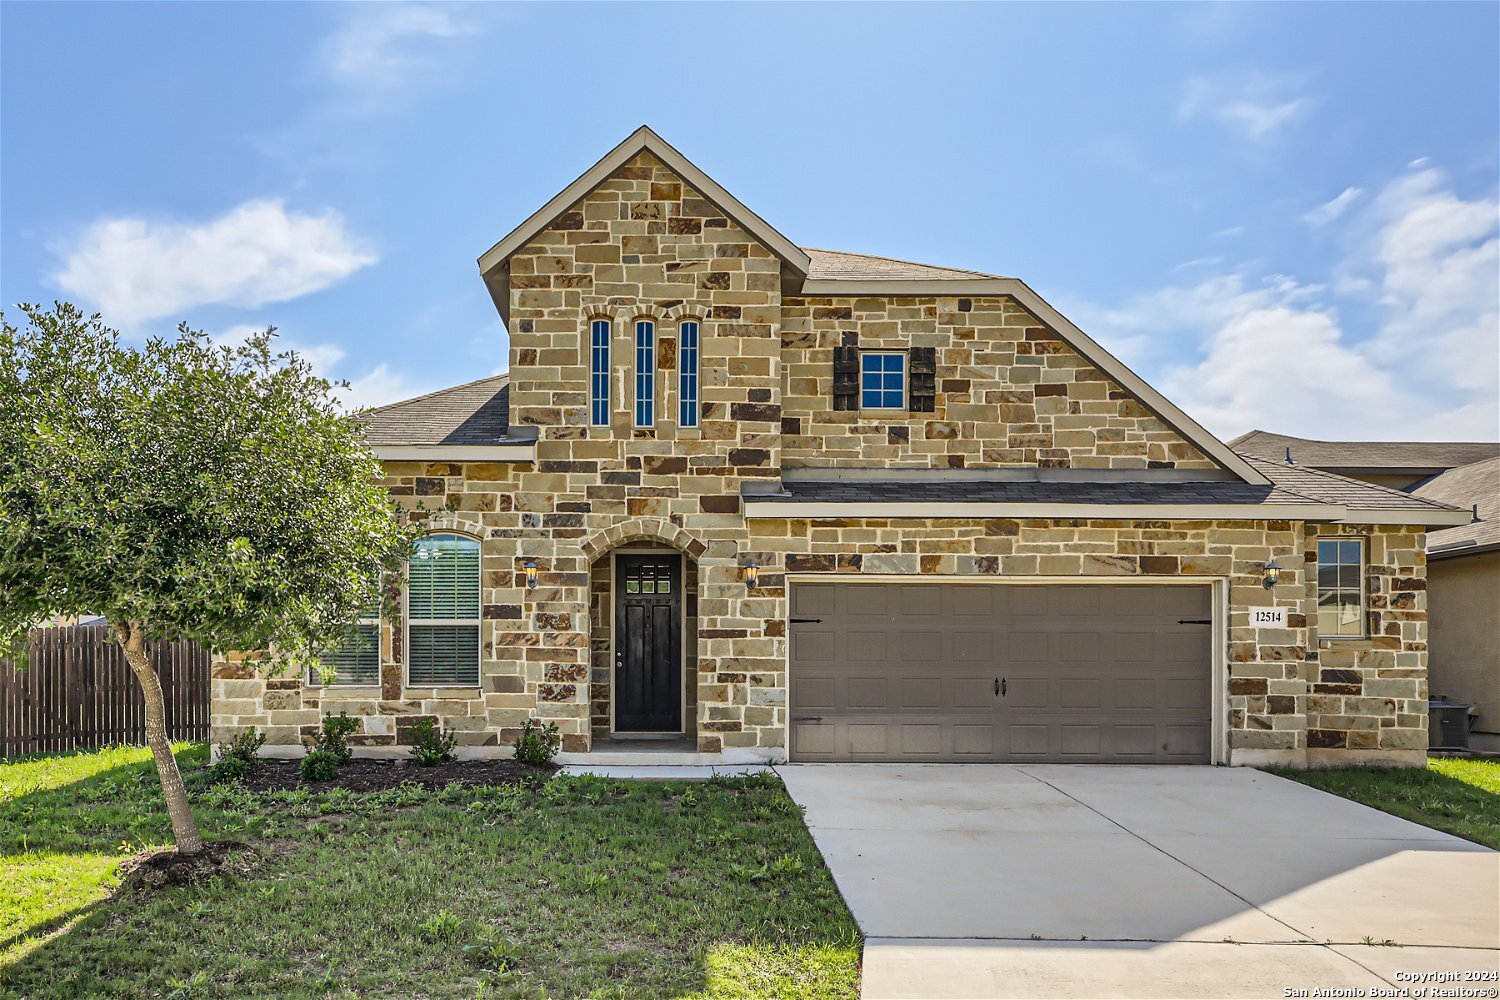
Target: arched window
<point>442,612</point>
<point>645,373</point>
<point>687,374</point>
<point>599,334</point>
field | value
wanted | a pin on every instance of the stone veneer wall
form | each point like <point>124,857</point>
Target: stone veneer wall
<point>1368,697</point>
<point>1010,393</point>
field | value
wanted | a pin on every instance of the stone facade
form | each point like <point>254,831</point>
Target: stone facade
<point>1010,394</point>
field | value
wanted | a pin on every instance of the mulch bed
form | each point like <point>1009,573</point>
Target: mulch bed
<point>364,774</point>
<point>151,870</point>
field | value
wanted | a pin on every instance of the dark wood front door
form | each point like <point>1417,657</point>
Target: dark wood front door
<point>648,643</point>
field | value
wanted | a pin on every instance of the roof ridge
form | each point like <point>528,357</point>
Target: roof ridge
<point>1311,471</point>
<point>438,392</point>
<point>1292,437</point>
<point>903,260</point>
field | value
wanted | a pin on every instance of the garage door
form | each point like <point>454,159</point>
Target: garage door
<point>1086,673</point>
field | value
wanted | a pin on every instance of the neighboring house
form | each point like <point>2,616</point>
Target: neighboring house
<point>772,502</point>
<point>1400,465</point>
<point>1463,594</point>
<point>1463,562</point>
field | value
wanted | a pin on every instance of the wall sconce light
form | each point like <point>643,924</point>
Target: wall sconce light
<point>752,576</point>
<point>1273,575</point>
<point>531,575</point>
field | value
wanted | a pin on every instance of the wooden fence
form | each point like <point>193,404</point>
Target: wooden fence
<point>76,691</point>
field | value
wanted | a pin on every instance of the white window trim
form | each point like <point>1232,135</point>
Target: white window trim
<point>594,397</point>
<point>696,373</point>
<point>648,377</point>
<point>478,622</point>
<point>905,381</point>
<point>1364,597</point>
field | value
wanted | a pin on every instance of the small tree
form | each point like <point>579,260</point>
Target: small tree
<point>183,490</point>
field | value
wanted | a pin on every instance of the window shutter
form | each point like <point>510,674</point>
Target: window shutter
<point>846,378</point>
<point>922,392</point>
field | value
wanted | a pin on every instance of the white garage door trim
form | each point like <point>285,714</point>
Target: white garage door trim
<point>1218,600</point>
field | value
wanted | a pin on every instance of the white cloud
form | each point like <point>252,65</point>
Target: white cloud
<point>136,269</point>
<point>376,387</point>
<point>1254,105</point>
<point>1331,209</point>
<point>1229,233</point>
<point>1279,355</point>
<point>387,45</point>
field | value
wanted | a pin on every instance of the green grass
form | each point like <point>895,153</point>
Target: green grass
<point>583,887</point>
<point>1457,796</point>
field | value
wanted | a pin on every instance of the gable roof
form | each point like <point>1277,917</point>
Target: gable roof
<point>643,140</point>
<point>1416,457</point>
<point>475,413</point>
<point>1477,483</point>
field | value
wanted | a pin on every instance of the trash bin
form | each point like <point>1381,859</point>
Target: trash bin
<point>1447,725</point>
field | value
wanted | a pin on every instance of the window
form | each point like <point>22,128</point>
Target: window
<point>1341,587</point>
<point>645,373</point>
<point>882,381</point>
<point>357,661</point>
<point>442,612</point>
<point>687,376</point>
<point>599,332</point>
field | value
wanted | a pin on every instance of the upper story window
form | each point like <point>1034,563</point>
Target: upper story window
<point>355,661</point>
<point>882,380</point>
<point>442,612</point>
<point>599,334</point>
<point>1341,587</point>
<point>645,373</point>
<point>687,375</point>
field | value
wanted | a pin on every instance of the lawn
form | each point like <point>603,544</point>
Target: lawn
<point>574,887</point>
<point>1455,795</point>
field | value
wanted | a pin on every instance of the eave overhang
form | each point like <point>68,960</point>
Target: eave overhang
<point>771,508</point>
<point>523,452</point>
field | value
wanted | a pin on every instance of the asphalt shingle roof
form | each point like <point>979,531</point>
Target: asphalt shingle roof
<point>1289,485</point>
<point>1395,455</point>
<point>475,413</point>
<point>1465,486</point>
<point>838,265</point>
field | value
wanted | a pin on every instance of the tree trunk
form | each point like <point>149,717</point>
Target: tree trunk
<point>184,828</point>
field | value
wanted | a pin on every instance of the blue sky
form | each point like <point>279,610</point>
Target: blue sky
<point>1283,216</point>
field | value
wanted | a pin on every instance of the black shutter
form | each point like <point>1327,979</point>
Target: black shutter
<point>846,378</point>
<point>922,394</point>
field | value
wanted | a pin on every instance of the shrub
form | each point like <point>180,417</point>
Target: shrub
<point>536,745</point>
<point>320,765</point>
<point>245,746</point>
<point>228,770</point>
<point>429,746</point>
<point>334,736</point>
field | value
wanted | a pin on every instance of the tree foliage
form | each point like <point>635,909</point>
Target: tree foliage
<point>216,493</point>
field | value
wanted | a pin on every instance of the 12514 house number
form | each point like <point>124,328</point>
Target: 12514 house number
<point>1268,617</point>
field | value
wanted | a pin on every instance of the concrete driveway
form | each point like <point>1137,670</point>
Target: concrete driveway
<point>985,880</point>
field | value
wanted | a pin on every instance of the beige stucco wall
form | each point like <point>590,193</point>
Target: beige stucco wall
<point>1464,635</point>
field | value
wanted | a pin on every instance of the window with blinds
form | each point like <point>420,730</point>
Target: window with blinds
<point>442,612</point>
<point>356,661</point>
<point>687,376</point>
<point>645,373</point>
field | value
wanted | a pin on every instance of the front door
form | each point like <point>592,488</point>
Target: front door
<point>648,643</point>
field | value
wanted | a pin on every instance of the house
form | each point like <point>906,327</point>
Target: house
<point>1463,562</point>
<point>758,502</point>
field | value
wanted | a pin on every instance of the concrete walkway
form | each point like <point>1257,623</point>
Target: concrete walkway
<point>983,880</point>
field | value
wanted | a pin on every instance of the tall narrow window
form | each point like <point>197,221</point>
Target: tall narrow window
<point>687,376</point>
<point>442,612</point>
<point>357,659</point>
<point>1341,587</point>
<point>599,373</point>
<point>645,373</point>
